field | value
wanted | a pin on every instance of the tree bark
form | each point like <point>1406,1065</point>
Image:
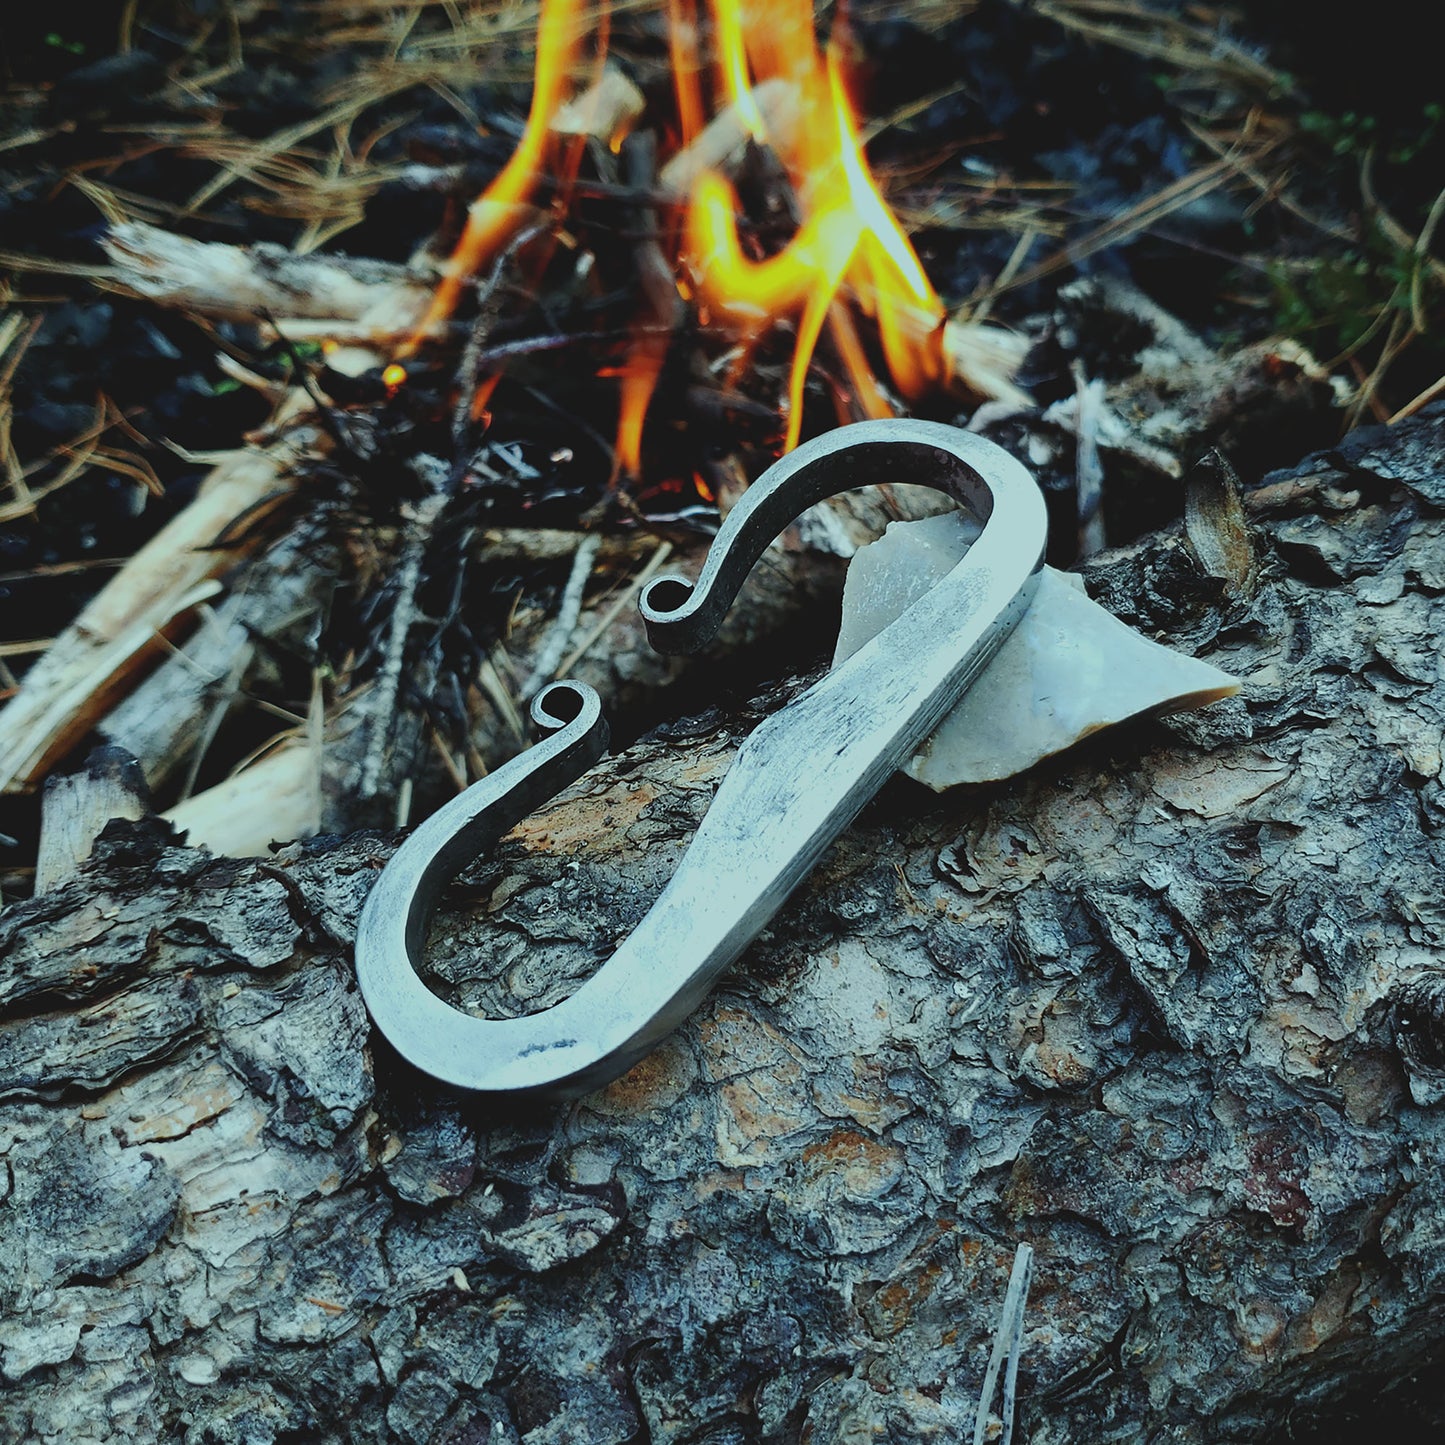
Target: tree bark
<point>1170,1008</point>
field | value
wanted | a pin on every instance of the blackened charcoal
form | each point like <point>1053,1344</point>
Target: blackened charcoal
<point>344,390</point>
<point>115,84</point>
<point>903,62</point>
<point>1024,85</point>
<point>399,219</point>
<point>1121,162</point>
<point>82,324</point>
<point>261,99</point>
<point>55,421</point>
<point>161,344</point>
<point>440,143</point>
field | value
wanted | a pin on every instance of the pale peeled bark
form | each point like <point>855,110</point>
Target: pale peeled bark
<point>376,300</point>
<point>274,800</point>
<point>723,141</point>
<point>606,108</point>
<point>77,807</point>
<point>97,659</point>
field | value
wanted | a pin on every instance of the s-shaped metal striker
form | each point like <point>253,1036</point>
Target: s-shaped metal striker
<point>795,784</point>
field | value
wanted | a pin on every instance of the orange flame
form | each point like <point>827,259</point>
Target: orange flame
<point>492,217</point>
<point>639,380</point>
<point>848,251</point>
<point>848,237</point>
<point>682,51</point>
<point>733,67</point>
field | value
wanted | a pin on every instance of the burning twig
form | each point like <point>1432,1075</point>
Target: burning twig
<point>492,356</point>
<point>476,357</point>
<point>663,308</point>
<point>609,107</point>
<point>721,145</point>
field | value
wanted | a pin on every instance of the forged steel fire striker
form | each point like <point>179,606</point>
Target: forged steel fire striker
<point>795,784</point>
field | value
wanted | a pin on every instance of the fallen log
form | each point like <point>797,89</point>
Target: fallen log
<point>1168,1009</point>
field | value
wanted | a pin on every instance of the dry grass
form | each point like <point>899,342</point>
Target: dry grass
<point>32,482</point>
<point>1193,45</point>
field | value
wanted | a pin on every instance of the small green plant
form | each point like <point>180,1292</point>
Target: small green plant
<point>1336,304</point>
<point>1365,305</point>
<point>1352,134</point>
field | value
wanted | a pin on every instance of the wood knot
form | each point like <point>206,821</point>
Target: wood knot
<point>1417,1024</point>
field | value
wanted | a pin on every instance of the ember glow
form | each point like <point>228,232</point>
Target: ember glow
<point>848,256</point>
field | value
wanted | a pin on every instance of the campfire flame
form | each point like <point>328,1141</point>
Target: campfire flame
<point>849,254</point>
<point>682,50</point>
<point>847,238</point>
<point>494,216</point>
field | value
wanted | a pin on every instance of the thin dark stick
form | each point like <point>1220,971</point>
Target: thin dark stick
<point>532,345</point>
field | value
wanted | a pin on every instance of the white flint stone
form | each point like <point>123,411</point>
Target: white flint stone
<point>1069,669</point>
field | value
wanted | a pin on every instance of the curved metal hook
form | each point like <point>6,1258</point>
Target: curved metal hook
<point>795,784</point>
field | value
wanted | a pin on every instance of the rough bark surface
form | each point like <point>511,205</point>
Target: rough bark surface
<point>1171,1008</point>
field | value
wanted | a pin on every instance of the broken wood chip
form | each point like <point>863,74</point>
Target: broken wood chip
<point>1216,528</point>
<point>77,807</point>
